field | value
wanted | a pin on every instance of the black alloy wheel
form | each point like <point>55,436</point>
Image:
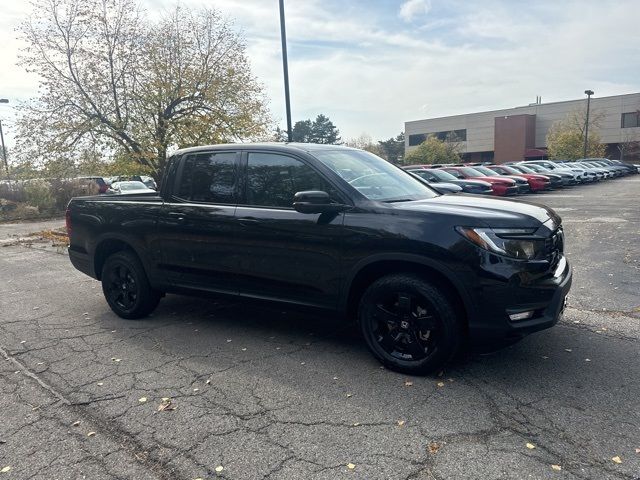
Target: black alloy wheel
<point>126,287</point>
<point>409,324</point>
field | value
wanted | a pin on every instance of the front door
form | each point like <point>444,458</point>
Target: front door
<point>197,228</point>
<point>286,255</point>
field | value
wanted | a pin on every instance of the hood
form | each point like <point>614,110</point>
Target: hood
<point>474,183</point>
<point>477,210</point>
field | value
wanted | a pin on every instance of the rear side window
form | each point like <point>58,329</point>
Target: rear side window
<point>273,180</point>
<point>209,177</point>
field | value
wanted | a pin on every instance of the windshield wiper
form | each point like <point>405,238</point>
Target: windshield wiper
<point>399,200</point>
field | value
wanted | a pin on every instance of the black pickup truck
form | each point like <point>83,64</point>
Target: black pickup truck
<point>334,228</point>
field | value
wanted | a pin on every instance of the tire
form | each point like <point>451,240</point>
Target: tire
<point>409,324</point>
<point>126,287</point>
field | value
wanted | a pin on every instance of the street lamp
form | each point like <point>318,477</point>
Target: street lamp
<point>588,93</point>
<point>4,150</point>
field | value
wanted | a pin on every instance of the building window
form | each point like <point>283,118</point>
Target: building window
<point>630,120</point>
<point>417,139</point>
<point>446,136</point>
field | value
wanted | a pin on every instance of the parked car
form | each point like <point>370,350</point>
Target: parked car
<point>421,272</point>
<point>131,187</point>
<point>521,183</point>
<point>568,178</point>
<point>441,187</point>
<point>536,182</point>
<point>576,177</point>
<point>555,180</point>
<point>501,186</point>
<point>436,177</point>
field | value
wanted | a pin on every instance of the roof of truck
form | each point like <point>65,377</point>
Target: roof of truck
<point>276,146</point>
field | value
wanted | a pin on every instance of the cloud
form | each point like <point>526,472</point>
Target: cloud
<point>411,9</point>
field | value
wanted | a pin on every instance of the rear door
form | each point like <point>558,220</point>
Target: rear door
<point>287,255</point>
<point>197,231</point>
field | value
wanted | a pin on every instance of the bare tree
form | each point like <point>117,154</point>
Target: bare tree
<point>112,80</point>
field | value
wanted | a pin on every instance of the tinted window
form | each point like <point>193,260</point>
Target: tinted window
<point>273,180</point>
<point>209,177</point>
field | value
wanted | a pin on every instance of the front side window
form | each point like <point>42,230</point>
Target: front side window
<point>209,177</point>
<point>274,179</point>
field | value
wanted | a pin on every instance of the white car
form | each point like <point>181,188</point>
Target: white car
<point>579,176</point>
<point>131,187</point>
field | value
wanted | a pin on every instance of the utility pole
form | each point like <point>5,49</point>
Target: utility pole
<point>4,149</point>
<point>285,68</point>
<point>588,93</point>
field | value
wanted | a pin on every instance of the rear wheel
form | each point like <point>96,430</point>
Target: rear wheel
<point>409,324</point>
<point>126,287</point>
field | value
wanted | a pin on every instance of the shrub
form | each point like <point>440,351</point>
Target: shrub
<point>38,194</point>
<point>65,190</point>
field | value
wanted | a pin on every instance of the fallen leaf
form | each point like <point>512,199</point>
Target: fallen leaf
<point>568,350</point>
<point>357,424</point>
<point>350,466</point>
<point>545,357</point>
<point>76,423</point>
<point>228,340</point>
<point>335,378</point>
<point>587,359</point>
<point>556,467</point>
<point>301,363</point>
<point>196,389</point>
<point>433,447</point>
<point>142,399</point>
<point>244,349</point>
<point>23,341</point>
<point>401,422</point>
<point>219,468</point>
<point>616,459</point>
<point>407,383</point>
<point>91,434</point>
<point>165,406</point>
<point>99,384</point>
<point>208,382</point>
<point>637,450</point>
<point>530,446</point>
<point>165,399</point>
<point>349,395</point>
<point>440,384</point>
<point>5,469</point>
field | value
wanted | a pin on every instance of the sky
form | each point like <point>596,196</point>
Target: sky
<point>372,65</point>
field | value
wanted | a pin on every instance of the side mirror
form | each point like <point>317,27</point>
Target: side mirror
<point>314,201</point>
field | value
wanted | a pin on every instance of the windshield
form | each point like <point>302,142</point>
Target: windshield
<point>536,168</point>
<point>523,169</point>
<point>472,172</point>
<point>132,186</point>
<point>440,175</point>
<point>374,177</point>
<point>485,170</point>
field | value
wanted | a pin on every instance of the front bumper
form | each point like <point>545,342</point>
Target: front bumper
<point>545,295</point>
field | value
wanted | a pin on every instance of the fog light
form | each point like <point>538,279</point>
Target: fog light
<point>521,316</point>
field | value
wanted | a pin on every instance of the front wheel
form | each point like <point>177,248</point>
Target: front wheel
<point>126,287</point>
<point>409,324</point>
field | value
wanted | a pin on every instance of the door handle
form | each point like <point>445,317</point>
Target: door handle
<point>248,220</point>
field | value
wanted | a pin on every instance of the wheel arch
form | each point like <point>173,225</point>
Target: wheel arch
<point>370,270</point>
<point>108,245</point>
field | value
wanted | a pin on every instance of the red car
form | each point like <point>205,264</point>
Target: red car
<point>537,182</point>
<point>501,186</point>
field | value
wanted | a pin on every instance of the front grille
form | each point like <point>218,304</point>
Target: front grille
<point>554,246</point>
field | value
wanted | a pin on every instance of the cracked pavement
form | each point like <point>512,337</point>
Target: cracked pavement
<point>269,392</point>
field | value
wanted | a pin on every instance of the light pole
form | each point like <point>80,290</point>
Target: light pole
<point>285,68</point>
<point>4,150</point>
<point>588,93</point>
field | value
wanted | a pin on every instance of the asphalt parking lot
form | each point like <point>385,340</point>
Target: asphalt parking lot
<point>254,391</point>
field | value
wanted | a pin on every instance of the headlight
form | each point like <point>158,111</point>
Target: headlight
<point>511,242</point>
